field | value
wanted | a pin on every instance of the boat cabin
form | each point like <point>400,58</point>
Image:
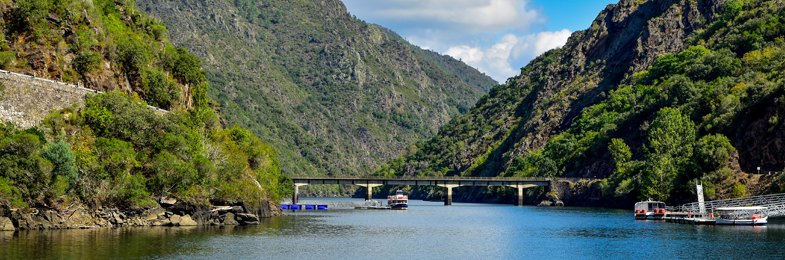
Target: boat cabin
<point>649,206</point>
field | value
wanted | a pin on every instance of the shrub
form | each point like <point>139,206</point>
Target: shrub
<point>10,194</point>
<point>738,191</point>
<point>116,156</point>
<point>32,10</point>
<point>160,91</point>
<point>59,186</point>
<point>6,59</point>
<point>133,54</point>
<point>158,32</point>
<point>185,67</point>
<point>87,62</point>
<point>132,188</point>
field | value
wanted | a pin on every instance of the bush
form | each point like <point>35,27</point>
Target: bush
<point>87,62</point>
<point>6,59</point>
<point>158,32</point>
<point>738,191</point>
<point>132,188</point>
<point>9,194</point>
<point>133,54</point>
<point>116,156</point>
<point>32,11</point>
<point>171,174</point>
<point>185,67</point>
<point>160,91</point>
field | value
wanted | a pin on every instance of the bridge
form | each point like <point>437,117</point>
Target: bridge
<point>775,204</point>
<point>447,182</point>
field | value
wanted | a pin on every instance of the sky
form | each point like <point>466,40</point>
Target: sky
<point>498,37</point>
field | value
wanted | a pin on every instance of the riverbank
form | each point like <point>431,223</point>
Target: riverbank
<point>168,212</point>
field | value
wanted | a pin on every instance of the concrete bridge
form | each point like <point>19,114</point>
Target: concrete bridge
<point>447,182</point>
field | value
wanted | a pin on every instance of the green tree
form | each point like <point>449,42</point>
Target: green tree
<point>669,148</point>
<point>712,152</point>
<point>62,158</point>
<point>620,152</point>
<point>731,9</point>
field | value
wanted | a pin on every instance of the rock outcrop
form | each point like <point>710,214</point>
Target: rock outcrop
<point>82,216</point>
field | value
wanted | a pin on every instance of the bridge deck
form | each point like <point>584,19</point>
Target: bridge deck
<point>424,181</point>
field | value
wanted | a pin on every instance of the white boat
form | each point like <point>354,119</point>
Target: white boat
<point>741,216</point>
<point>650,210</point>
<point>398,201</point>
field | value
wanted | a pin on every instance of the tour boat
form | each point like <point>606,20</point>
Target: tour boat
<point>742,216</point>
<point>398,201</point>
<point>649,210</point>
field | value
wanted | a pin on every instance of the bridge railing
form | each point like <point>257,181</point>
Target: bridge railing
<point>438,178</point>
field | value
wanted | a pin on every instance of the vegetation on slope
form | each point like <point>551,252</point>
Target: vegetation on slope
<point>661,130</point>
<point>102,45</point>
<point>336,95</point>
<point>115,148</point>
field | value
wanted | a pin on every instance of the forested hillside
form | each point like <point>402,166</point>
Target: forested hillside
<point>335,95</point>
<point>115,149</point>
<point>654,96</point>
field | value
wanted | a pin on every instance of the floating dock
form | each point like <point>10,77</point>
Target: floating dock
<point>303,207</point>
<point>690,220</point>
<point>373,207</point>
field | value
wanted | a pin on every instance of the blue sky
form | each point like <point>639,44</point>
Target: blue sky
<point>497,37</point>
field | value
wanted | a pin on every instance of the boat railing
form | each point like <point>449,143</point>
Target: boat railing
<point>338,203</point>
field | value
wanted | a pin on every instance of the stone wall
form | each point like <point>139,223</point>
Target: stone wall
<point>27,100</point>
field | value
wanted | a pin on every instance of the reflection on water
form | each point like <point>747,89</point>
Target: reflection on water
<point>426,230</point>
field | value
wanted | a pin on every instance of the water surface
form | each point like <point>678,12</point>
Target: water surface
<point>427,230</point>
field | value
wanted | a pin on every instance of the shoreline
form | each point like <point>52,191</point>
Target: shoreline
<point>168,213</point>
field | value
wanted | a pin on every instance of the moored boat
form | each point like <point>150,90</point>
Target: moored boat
<point>755,216</point>
<point>398,201</point>
<point>650,210</point>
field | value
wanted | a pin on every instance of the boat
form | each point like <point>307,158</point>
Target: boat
<point>650,210</point>
<point>755,216</point>
<point>398,201</point>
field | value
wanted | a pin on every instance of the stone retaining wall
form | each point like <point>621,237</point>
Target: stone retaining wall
<point>27,100</point>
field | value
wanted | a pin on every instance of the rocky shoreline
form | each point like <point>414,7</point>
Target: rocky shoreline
<point>169,212</point>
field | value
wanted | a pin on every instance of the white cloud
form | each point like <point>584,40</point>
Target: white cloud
<point>469,15</point>
<point>506,56</point>
<point>495,36</point>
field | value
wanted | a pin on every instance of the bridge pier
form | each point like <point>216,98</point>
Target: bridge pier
<point>295,197</point>
<point>448,199</point>
<point>520,187</point>
<point>369,189</point>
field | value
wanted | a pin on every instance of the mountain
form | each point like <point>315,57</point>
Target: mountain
<point>334,94</point>
<point>653,97</point>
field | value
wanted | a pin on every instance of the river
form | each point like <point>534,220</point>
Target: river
<point>428,230</point>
